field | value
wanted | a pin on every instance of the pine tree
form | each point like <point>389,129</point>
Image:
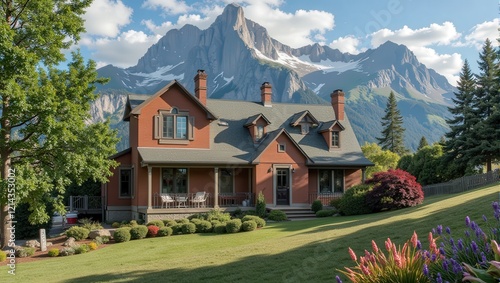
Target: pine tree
<point>423,142</point>
<point>486,146</point>
<point>393,132</point>
<point>45,141</point>
<point>462,122</point>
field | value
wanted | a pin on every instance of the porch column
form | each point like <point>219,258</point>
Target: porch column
<point>150,186</point>
<point>216,187</point>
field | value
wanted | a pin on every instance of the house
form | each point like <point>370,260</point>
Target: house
<point>181,144</point>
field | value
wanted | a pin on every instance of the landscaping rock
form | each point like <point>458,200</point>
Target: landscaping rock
<point>99,233</point>
<point>49,244</point>
<point>70,242</point>
<point>32,244</point>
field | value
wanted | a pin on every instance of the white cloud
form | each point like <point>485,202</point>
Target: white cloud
<point>168,6</point>
<point>421,41</point>
<point>347,44</point>
<point>106,17</point>
<point>122,51</point>
<point>481,32</point>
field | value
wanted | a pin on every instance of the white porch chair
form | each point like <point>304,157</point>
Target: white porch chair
<point>166,200</point>
<point>199,199</point>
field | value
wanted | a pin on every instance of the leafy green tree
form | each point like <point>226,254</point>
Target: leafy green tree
<point>427,163</point>
<point>46,142</point>
<point>393,131</point>
<point>486,133</point>
<point>383,159</point>
<point>460,138</point>
<point>423,142</point>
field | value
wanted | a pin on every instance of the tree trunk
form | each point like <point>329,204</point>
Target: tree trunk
<point>9,204</point>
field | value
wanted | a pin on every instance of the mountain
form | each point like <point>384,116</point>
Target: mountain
<point>239,55</point>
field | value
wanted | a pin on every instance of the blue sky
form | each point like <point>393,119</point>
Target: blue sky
<point>442,33</point>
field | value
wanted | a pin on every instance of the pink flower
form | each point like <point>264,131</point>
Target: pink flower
<point>388,245</point>
<point>353,255</point>
<point>374,247</point>
<point>414,239</point>
<point>365,270</point>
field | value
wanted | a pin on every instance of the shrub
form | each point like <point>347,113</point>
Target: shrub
<point>67,251</point>
<point>157,223</point>
<point>153,230</point>
<point>25,251</point>
<point>399,265</point>
<point>248,225</point>
<point>260,206</point>
<point>90,225</point>
<point>81,249</point>
<point>277,215</point>
<point>165,231</point>
<point>3,256</point>
<point>233,226</point>
<point>92,246</point>
<point>353,201</point>
<point>260,222</point>
<point>116,225</point>
<point>99,240</point>
<point>182,221</point>
<point>133,223</point>
<point>79,233</point>
<point>203,226</point>
<point>212,215</point>
<point>177,229</point>
<point>394,189</point>
<point>188,228</point>
<point>220,228</point>
<point>169,222</point>
<point>325,213</point>
<point>335,203</point>
<point>138,232</point>
<point>316,205</point>
<point>53,252</point>
<point>122,235</point>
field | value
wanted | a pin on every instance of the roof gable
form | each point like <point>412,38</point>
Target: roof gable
<point>253,120</point>
<point>270,138</point>
<point>134,108</point>
<point>299,117</point>
<point>328,126</point>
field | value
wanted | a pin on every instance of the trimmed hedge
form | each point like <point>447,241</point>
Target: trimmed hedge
<point>164,232</point>
<point>122,235</point>
<point>248,225</point>
<point>188,228</point>
<point>316,205</point>
<point>138,232</point>
<point>52,253</point>
<point>325,213</point>
<point>260,222</point>
<point>353,202</point>
<point>220,228</point>
<point>203,226</point>
<point>157,223</point>
<point>233,226</point>
<point>277,215</point>
<point>79,233</point>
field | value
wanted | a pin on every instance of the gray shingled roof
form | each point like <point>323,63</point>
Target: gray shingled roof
<point>232,143</point>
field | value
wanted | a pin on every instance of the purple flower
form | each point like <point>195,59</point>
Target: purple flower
<point>467,221</point>
<point>484,218</point>
<point>460,244</point>
<point>441,251</point>
<point>426,270</point>
<point>467,233</point>
<point>419,245</point>
<point>474,247</point>
<point>445,265</point>
<point>448,230</point>
<point>440,229</point>
<point>452,242</point>
<point>338,279</point>
<point>439,279</point>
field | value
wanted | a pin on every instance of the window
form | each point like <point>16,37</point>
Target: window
<point>281,147</point>
<point>304,128</point>
<point>174,180</point>
<point>174,126</point>
<point>125,183</point>
<point>226,181</point>
<point>331,181</point>
<point>259,133</point>
<point>335,139</point>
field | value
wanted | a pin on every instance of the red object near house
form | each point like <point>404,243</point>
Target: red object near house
<point>181,144</point>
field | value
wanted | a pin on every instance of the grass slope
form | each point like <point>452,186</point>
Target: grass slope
<point>298,251</point>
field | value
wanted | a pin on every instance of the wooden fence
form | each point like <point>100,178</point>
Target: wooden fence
<point>462,184</point>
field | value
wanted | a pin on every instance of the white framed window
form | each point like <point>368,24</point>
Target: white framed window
<point>335,139</point>
<point>281,147</point>
<point>173,126</point>
<point>259,132</point>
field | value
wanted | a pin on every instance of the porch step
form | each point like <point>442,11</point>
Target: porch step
<point>297,213</point>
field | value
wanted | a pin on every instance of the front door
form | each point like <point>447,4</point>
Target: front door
<point>282,186</point>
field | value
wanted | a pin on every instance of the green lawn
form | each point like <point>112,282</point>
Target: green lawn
<point>296,251</point>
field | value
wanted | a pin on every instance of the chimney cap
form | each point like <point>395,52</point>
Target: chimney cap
<point>337,90</point>
<point>266,83</point>
<point>201,71</point>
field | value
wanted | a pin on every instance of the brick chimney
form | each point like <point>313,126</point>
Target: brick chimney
<point>266,94</point>
<point>200,86</point>
<point>338,103</point>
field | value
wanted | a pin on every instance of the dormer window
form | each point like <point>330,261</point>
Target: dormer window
<point>259,133</point>
<point>335,139</point>
<point>257,126</point>
<point>174,126</point>
<point>305,120</point>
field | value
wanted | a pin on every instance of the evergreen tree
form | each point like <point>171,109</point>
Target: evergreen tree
<point>393,132</point>
<point>45,141</point>
<point>462,122</point>
<point>423,142</point>
<point>486,147</point>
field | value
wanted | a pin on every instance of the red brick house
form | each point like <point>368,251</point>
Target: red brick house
<point>182,144</point>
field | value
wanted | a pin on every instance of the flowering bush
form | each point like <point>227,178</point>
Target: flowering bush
<point>399,265</point>
<point>153,230</point>
<point>393,189</point>
<point>453,257</point>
